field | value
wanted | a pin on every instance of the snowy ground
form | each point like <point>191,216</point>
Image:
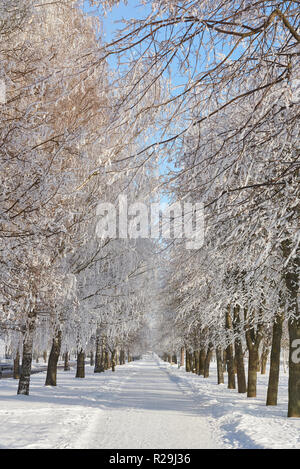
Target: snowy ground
<point>239,421</point>
<point>144,404</point>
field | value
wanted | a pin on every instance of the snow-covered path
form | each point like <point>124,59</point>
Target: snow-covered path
<point>150,410</point>
<point>143,404</point>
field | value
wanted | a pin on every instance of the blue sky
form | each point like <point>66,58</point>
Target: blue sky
<point>112,20</point>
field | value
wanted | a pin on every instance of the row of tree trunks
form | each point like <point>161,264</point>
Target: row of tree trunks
<point>232,359</point>
<point>198,361</point>
<point>103,360</point>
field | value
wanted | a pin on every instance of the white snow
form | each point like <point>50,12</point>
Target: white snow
<point>242,422</point>
<point>144,404</point>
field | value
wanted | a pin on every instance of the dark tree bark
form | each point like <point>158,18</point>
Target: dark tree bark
<point>258,363</point>
<point>122,357</point>
<point>24,381</point>
<point>193,362</point>
<point>253,339</point>
<point>294,368</point>
<point>275,361</point>
<point>16,374</point>
<point>220,365</point>
<point>229,353</point>
<point>92,362</point>
<point>113,360</point>
<point>292,284</point>
<point>66,361</point>
<point>239,354</point>
<point>207,360</point>
<point>264,359</point>
<point>106,360</point>
<point>291,278</point>
<point>202,356</point>
<point>224,361</point>
<point>197,361</point>
<point>99,356</point>
<point>252,371</point>
<point>80,370</point>
<point>187,361</point>
<point>53,360</point>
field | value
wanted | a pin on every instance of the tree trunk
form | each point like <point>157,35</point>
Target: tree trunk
<point>197,361</point>
<point>16,374</point>
<point>207,360</point>
<point>252,371</point>
<point>275,361</point>
<point>113,360</point>
<point>229,353</point>
<point>294,368</point>
<point>220,366</point>
<point>187,361</point>
<point>106,360</point>
<point>80,370</point>
<point>53,360</point>
<point>122,357</point>
<point>253,339</point>
<point>195,365</point>
<point>24,381</point>
<point>99,356</point>
<point>240,368</point>
<point>182,356</point>
<point>202,356</point>
<point>66,361</point>
<point>292,285</point>
<point>239,355</point>
<point>264,359</point>
<point>258,362</point>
